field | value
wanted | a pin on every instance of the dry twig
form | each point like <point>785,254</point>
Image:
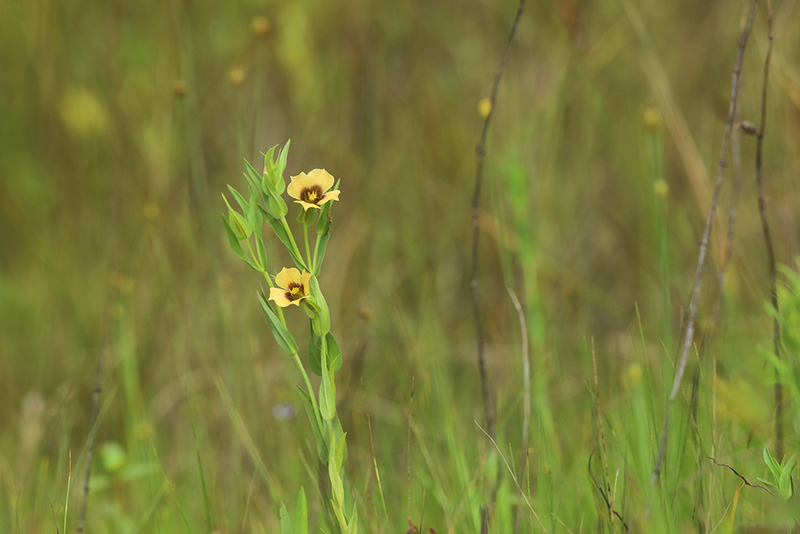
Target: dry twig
<point>735,472</point>
<point>762,212</point>
<point>698,277</point>
<point>476,199</point>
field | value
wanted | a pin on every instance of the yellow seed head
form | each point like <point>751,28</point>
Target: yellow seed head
<point>485,107</point>
<point>660,188</point>
<point>652,119</point>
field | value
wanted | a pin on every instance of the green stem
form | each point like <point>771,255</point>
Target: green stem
<point>308,252</point>
<point>316,251</point>
<point>310,389</point>
<point>295,248</point>
<point>254,256</point>
<point>271,285</point>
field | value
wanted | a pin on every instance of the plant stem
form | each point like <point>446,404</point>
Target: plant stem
<point>255,257</point>
<point>310,389</point>
<point>271,285</point>
<point>316,251</point>
<point>295,248</point>
<point>308,251</point>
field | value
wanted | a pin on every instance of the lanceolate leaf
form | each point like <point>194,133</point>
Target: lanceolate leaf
<point>322,323</point>
<point>235,245</point>
<point>281,334</point>
<point>314,353</point>
<point>286,521</point>
<point>323,244</point>
<point>280,231</point>
<point>334,352</point>
<point>322,449</point>
<point>352,524</point>
<point>301,514</point>
<point>327,392</point>
<point>281,185</point>
<point>239,200</point>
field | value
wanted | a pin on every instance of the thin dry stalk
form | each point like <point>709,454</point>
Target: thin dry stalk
<point>602,436</point>
<point>476,199</point>
<point>526,389</point>
<point>514,478</point>
<point>762,212</point>
<point>526,374</point>
<point>606,498</point>
<point>90,439</point>
<point>736,151</point>
<point>698,277</point>
<point>735,472</point>
<point>408,445</point>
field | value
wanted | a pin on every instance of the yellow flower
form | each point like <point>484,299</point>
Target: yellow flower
<point>292,287</point>
<point>311,190</point>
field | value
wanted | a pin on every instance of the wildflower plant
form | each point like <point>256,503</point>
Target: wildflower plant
<point>298,286</point>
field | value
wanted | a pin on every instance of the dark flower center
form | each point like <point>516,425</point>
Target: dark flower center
<point>294,292</point>
<point>312,195</point>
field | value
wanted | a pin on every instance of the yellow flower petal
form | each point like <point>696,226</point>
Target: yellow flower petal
<point>306,205</point>
<point>330,195</point>
<point>278,295</point>
<point>286,277</point>
<point>309,190</point>
<point>297,185</point>
<point>322,178</point>
<point>304,282</point>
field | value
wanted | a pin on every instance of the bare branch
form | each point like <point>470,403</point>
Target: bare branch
<point>698,277</point>
<point>735,472</point>
<point>481,152</point>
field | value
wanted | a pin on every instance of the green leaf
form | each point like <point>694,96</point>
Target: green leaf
<point>301,517</point>
<point>352,524</point>
<point>307,216</point>
<point>322,323</point>
<point>240,225</point>
<point>324,221</point>
<point>311,306</point>
<point>266,178</point>
<point>785,480</point>
<point>322,448</point>
<point>252,209</point>
<point>261,250</point>
<point>249,178</point>
<point>286,521</point>
<point>340,446</point>
<point>335,469</point>
<point>281,166</point>
<point>314,353</point>
<point>323,244</point>
<point>770,462</point>
<point>279,332</point>
<point>327,391</point>
<point>235,245</point>
<point>276,206</point>
<point>280,231</point>
<point>334,352</point>
<point>252,174</point>
<point>239,199</point>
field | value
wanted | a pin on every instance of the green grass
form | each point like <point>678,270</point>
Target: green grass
<point>109,229</point>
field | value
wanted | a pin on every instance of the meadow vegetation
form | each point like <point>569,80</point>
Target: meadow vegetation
<point>123,121</point>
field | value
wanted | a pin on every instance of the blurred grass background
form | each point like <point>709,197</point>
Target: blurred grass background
<point>122,123</point>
